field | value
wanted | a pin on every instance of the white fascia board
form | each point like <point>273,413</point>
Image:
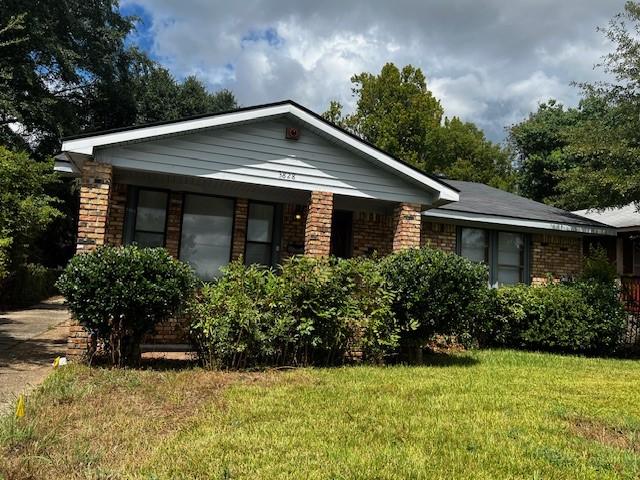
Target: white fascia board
<point>86,145</point>
<point>518,223</point>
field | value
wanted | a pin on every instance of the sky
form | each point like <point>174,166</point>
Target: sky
<point>490,62</point>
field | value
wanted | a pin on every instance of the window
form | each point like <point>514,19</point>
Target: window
<point>146,217</point>
<point>474,244</point>
<point>259,247</point>
<point>510,258</point>
<point>505,253</point>
<point>207,227</point>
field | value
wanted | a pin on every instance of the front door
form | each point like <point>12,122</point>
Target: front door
<point>342,234</point>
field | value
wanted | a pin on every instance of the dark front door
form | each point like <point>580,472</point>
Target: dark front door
<point>342,234</point>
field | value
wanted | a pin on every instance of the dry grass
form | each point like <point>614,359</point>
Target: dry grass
<point>484,414</point>
<point>94,423</point>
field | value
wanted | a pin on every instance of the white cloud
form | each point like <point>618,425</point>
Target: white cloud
<point>490,62</point>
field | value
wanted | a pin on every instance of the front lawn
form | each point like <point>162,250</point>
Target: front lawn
<point>483,414</point>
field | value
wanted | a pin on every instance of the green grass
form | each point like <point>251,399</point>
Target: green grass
<point>483,414</point>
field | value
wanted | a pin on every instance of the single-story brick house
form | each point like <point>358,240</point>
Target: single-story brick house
<point>271,181</point>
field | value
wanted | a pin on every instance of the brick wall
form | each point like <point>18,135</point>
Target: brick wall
<point>557,255</point>
<point>372,232</point>
<point>117,211</point>
<point>240,216</point>
<point>293,230</point>
<point>317,233</point>
<point>174,224</point>
<point>438,235</point>
<point>407,226</point>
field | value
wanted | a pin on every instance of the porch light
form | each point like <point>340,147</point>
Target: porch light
<point>297,214</point>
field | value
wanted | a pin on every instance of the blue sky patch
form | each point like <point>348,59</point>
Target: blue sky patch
<point>142,36</point>
<point>268,35</point>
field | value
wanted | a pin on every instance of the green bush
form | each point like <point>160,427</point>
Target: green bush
<point>121,293</point>
<point>28,284</point>
<point>570,317</point>
<point>435,293</point>
<point>313,311</point>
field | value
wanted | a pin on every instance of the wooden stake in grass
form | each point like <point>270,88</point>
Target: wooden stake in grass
<point>20,407</point>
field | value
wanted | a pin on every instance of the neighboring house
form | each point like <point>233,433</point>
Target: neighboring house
<point>624,249</point>
<point>271,181</point>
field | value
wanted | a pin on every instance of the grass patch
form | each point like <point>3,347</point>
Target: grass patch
<point>484,414</point>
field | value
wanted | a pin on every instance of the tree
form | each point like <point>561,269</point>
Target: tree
<point>25,208</point>
<point>160,97</point>
<point>396,112</point>
<point>54,57</point>
<point>605,145</point>
<point>538,144</point>
<point>461,151</point>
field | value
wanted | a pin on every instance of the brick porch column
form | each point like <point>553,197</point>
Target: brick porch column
<point>407,224</point>
<point>317,232</point>
<point>95,195</point>
<point>240,216</point>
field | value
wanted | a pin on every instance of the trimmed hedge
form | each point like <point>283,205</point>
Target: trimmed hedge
<point>120,294</point>
<point>583,316</point>
<point>436,293</point>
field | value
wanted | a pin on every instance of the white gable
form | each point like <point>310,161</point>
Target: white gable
<point>250,146</point>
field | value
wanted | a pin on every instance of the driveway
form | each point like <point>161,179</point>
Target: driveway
<point>29,341</point>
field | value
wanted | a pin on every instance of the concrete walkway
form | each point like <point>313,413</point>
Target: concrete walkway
<point>29,341</point>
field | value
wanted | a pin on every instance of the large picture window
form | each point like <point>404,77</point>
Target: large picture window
<point>207,228</point>
<point>146,217</point>
<point>505,253</point>
<point>260,230</point>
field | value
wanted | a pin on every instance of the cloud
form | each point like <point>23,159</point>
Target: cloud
<point>489,62</point>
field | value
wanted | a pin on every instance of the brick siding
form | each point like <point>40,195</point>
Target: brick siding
<point>438,235</point>
<point>293,230</point>
<point>117,211</point>
<point>372,232</point>
<point>556,255</point>
<point>174,224</point>
<point>240,216</point>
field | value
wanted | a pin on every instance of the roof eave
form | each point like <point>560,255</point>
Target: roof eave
<point>520,223</point>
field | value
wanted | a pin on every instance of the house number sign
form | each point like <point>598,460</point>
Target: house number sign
<point>287,175</point>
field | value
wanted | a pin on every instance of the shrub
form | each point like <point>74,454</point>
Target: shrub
<point>598,268</point>
<point>572,317</point>
<point>228,317</point>
<point>313,311</point>
<point>435,293</point>
<point>29,284</point>
<point>121,293</point>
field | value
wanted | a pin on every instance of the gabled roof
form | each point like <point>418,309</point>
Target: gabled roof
<point>627,217</point>
<point>86,144</point>
<point>484,204</point>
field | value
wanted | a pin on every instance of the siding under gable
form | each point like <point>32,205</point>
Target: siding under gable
<point>258,153</point>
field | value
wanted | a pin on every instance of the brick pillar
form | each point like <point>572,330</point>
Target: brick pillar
<point>317,232</point>
<point>240,216</point>
<point>95,195</point>
<point>407,223</point>
<point>174,224</point>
